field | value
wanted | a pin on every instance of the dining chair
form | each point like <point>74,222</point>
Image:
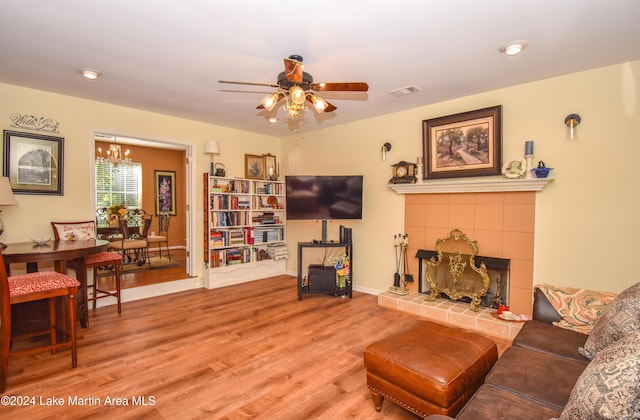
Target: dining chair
<point>163,233</point>
<point>87,230</point>
<point>132,245</point>
<point>27,288</point>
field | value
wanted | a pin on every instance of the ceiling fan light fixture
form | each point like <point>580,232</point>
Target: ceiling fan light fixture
<point>319,104</point>
<point>293,113</point>
<point>269,102</point>
<point>297,95</point>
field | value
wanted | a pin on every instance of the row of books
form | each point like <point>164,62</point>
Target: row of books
<point>237,186</point>
<point>229,218</point>
<point>265,218</point>
<point>222,238</point>
<point>269,188</point>
<point>232,256</point>
<point>230,202</point>
<point>245,236</point>
<point>262,235</point>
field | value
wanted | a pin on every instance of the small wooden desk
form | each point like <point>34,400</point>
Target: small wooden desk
<point>58,252</point>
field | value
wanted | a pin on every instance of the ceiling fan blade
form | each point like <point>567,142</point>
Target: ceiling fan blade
<point>330,107</point>
<point>248,83</point>
<point>294,70</point>
<point>344,86</point>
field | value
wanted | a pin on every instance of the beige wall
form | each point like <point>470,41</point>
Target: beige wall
<point>80,118</point>
<point>586,219</point>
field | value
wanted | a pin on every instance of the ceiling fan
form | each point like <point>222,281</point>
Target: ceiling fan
<point>296,87</point>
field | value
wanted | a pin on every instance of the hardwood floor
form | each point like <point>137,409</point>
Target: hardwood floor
<point>146,278</point>
<point>245,351</point>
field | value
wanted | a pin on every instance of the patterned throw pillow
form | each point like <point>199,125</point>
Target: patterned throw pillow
<point>621,317</point>
<point>609,388</point>
<point>580,309</point>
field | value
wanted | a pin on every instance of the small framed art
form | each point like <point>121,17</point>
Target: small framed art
<point>34,163</point>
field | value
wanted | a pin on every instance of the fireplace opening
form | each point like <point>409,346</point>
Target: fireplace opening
<point>497,269</point>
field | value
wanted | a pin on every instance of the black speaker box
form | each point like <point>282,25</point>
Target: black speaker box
<point>321,277</point>
<point>345,235</point>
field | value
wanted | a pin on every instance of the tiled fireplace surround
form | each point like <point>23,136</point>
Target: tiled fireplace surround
<point>503,223</point>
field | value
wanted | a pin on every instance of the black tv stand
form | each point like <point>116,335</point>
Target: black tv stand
<point>305,286</point>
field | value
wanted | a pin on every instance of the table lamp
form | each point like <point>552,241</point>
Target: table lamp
<point>213,148</point>
<point>6,199</point>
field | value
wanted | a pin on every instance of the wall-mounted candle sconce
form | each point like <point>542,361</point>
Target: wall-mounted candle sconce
<point>385,148</point>
<point>572,121</point>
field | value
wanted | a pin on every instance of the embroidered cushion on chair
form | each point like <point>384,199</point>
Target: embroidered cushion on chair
<point>40,281</point>
<point>76,231</point>
<point>156,238</point>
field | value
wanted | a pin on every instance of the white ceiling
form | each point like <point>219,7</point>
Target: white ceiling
<point>167,56</point>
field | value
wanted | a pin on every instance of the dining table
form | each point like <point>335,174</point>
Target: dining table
<point>59,253</point>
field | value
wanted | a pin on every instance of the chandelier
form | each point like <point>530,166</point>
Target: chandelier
<point>114,156</point>
<point>295,99</point>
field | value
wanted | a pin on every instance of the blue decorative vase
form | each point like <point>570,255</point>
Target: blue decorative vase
<point>542,172</point>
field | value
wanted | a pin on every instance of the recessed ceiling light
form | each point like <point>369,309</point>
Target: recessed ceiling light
<point>514,48</point>
<point>273,120</point>
<point>90,74</point>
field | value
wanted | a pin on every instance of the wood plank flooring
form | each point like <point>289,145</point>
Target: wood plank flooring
<point>246,351</point>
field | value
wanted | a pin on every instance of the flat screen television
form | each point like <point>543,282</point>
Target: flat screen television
<point>324,197</point>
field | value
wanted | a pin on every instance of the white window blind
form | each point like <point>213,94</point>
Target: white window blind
<point>118,185</point>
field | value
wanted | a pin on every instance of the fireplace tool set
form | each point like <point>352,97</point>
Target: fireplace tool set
<point>401,277</point>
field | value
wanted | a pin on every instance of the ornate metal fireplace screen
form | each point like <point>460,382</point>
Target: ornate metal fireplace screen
<point>454,271</point>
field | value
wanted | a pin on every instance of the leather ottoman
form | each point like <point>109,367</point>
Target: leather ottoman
<point>429,368</point>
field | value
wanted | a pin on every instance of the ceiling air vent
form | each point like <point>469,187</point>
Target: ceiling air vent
<point>408,90</point>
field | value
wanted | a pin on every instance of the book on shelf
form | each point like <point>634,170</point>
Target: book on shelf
<point>249,235</point>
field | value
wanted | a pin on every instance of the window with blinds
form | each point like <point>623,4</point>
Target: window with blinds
<point>120,184</point>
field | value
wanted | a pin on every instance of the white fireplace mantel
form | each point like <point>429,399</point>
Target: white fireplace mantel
<point>466,185</point>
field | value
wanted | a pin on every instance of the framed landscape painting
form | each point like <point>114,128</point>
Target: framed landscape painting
<point>466,144</point>
<point>34,163</point>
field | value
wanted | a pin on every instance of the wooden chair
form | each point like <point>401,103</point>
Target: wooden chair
<point>86,230</point>
<point>163,233</point>
<point>27,288</point>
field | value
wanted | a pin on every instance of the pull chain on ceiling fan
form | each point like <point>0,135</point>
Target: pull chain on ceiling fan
<point>296,87</point>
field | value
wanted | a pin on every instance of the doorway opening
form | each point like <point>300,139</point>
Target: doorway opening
<point>157,159</point>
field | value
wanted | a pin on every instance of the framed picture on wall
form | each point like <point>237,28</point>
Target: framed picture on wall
<point>254,167</point>
<point>270,167</point>
<point>34,163</point>
<point>165,191</point>
<point>466,144</point>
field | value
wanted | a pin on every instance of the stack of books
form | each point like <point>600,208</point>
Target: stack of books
<point>278,251</point>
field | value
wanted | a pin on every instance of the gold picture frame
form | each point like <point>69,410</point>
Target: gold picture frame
<point>254,167</point>
<point>270,167</point>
